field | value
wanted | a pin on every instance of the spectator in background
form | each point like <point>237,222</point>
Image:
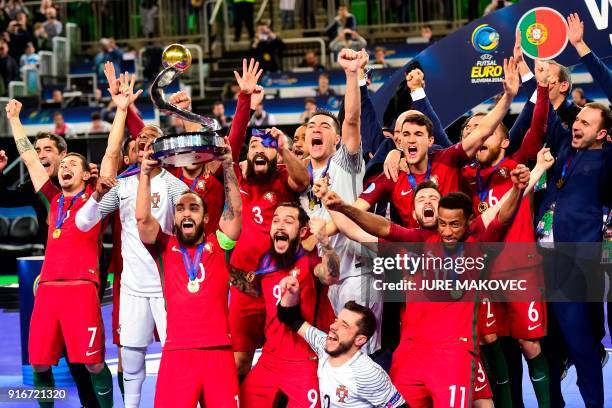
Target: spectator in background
<point>15,6</point>
<point>61,128</point>
<point>41,39</point>
<point>57,97</point>
<point>261,118</point>
<point>348,39</point>
<point>579,98</point>
<point>344,20</point>
<point>496,5</point>
<point>22,19</point>
<point>98,125</point>
<point>151,61</point>
<point>287,12</point>
<point>243,12</point>
<point>8,66</point>
<point>30,58</point>
<point>231,91</point>
<point>41,14</point>
<point>300,149</point>
<point>148,14</point>
<point>310,107</point>
<point>52,26</point>
<point>379,54</point>
<point>324,89</point>
<point>403,11</point>
<point>267,48</point>
<point>219,114</point>
<point>110,52</point>
<point>311,61</point>
<point>427,34</point>
<point>18,38</point>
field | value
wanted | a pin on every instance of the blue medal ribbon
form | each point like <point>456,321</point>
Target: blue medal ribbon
<point>412,179</point>
<point>267,140</point>
<point>194,183</point>
<point>192,267</point>
<point>61,214</point>
<point>130,171</point>
<point>483,187</point>
<point>567,168</point>
<point>267,267</point>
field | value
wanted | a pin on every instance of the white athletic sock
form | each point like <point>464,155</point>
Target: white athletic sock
<point>133,361</point>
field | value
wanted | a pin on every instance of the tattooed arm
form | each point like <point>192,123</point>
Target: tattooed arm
<point>28,154</point>
<point>231,219</point>
<point>328,271</point>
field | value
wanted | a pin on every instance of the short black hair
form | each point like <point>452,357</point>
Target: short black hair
<point>458,201</point>
<point>218,103</point>
<point>367,324</point>
<point>84,160</point>
<point>95,116</point>
<point>324,74</point>
<point>303,217</point>
<point>327,113</point>
<point>126,145</point>
<point>420,120</point>
<point>422,186</point>
<point>204,206</point>
<point>606,115</point>
<point>564,76</point>
<point>59,141</point>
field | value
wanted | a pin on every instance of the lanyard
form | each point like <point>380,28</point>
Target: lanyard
<point>194,183</point>
<point>192,267</point>
<point>310,170</point>
<point>130,171</point>
<point>567,166</point>
<point>412,179</point>
<point>61,214</point>
<point>483,187</point>
<point>266,263</point>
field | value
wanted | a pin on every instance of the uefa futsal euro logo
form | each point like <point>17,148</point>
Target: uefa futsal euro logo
<point>485,38</point>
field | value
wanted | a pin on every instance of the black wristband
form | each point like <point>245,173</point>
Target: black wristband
<point>291,316</point>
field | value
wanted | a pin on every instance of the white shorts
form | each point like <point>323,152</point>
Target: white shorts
<point>361,290</point>
<point>139,317</point>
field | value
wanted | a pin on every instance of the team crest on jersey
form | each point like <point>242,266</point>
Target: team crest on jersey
<point>503,171</point>
<point>434,179</point>
<point>84,197</point>
<point>201,184</point>
<point>295,272</point>
<point>341,393</point>
<point>270,196</point>
<point>155,199</point>
<point>208,247</point>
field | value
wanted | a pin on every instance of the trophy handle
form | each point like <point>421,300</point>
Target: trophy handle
<point>165,78</point>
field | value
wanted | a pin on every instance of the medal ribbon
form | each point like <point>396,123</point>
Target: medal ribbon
<point>130,171</point>
<point>267,140</point>
<point>412,179</point>
<point>483,187</point>
<point>195,181</point>
<point>61,214</point>
<point>311,195</point>
<point>567,167</point>
<point>192,267</point>
<point>266,263</point>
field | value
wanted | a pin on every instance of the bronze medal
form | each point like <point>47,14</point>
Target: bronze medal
<point>57,233</point>
<point>250,277</point>
<point>482,206</point>
<point>560,183</point>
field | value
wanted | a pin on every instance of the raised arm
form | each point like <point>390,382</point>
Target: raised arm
<point>231,219</point>
<point>134,122</point>
<point>351,61</point>
<point>328,271</point>
<point>371,223</point>
<point>148,227</point>
<point>299,180</point>
<point>415,80</point>
<point>372,135</point>
<point>28,155</point>
<point>489,123</point>
<point>123,98</point>
<point>248,85</point>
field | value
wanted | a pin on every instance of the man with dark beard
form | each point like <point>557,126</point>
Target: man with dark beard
<point>264,186</point>
<point>195,279</point>
<point>287,363</point>
<point>344,371</point>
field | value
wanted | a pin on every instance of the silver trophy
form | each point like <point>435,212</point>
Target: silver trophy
<point>183,149</point>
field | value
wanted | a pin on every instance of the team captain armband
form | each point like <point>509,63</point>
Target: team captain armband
<point>291,316</point>
<point>225,242</point>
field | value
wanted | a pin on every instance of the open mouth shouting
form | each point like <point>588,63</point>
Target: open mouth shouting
<point>188,226</point>
<point>412,152</point>
<point>332,339</point>
<point>429,215</point>
<point>66,176</point>
<point>260,162</point>
<point>299,153</point>
<point>281,241</point>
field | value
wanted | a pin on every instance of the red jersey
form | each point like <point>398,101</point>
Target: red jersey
<point>73,254</point>
<point>445,170</point>
<point>437,323</point>
<point>314,305</point>
<point>212,192</point>
<point>259,201</point>
<point>194,320</point>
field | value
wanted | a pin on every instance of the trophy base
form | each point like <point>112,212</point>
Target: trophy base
<point>185,149</point>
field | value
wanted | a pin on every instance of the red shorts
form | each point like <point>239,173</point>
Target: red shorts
<point>247,320</point>
<point>482,388</point>
<point>439,376</point>
<point>271,375</point>
<point>487,319</point>
<point>116,296</point>
<point>66,315</point>
<point>522,320</point>
<point>207,376</point>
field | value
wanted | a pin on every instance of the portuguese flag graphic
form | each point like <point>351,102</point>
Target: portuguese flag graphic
<point>543,32</point>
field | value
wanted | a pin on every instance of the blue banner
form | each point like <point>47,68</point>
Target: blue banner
<point>465,68</point>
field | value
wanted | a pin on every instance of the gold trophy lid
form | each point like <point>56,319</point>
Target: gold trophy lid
<point>178,56</point>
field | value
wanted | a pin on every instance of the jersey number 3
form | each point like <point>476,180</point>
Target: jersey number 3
<point>257,217</point>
